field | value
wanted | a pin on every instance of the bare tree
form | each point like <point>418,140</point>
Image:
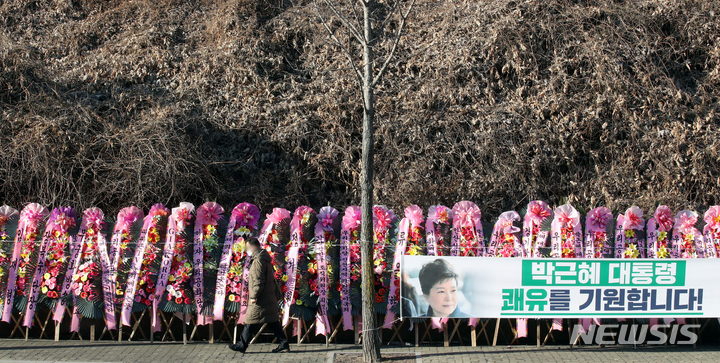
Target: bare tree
<point>366,33</point>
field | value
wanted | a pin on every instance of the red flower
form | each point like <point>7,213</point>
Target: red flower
<point>84,295</point>
<point>178,300</point>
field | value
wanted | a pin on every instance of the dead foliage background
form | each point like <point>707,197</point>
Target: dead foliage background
<point>112,103</point>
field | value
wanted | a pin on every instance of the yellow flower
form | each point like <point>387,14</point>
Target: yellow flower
<point>46,276</point>
<point>83,278</point>
<point>662,252</point>
<point>44,289</point>
<point>631,251</point>
<point>629,233</point>
<point>299,302</point>
<point>662,236</point>
<point>284,278</point>
<point>171,278</point>
<point>231,297</point>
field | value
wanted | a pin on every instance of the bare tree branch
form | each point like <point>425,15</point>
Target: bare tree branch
<point>403,17</point>
<point>345,22</point>
<point>344,50</point>
<point>381,28</point>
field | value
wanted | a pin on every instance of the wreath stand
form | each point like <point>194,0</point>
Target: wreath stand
<point>497,331</point>
<point>475,333</point>
<point>17,326</point>
<point>43,326</point>
<point>396,331</point>
<point>106,331</point>
<point>226,329</point>
<point>298,326</point>
<point>703,325</point>
<point>356,328</point>
<point>548,325</point>
<point>168,326</point>
<point>59,323</point>
<point>334,330</point>
<point>426,334</point>
<point>135,326</point>
<point>448,338</point>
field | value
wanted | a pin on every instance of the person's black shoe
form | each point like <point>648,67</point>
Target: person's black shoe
<point>237,347</point>
<point>282,347</point>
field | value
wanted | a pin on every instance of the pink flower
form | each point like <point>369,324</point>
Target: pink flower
<point>633,218</point>
<point>685,220</point>
<point>32,214</point>
<point>246,214</point>
<point>505,221</point>
<point>299,215</point>
<point>94,218</point>
<point>277,215</point>
<point>326,217</point>
<point>209,213</point>
<point>6,213</point>
<point>352,217</point>
<point>466,214</point>
<point>127,216</point>
<point>439,214</point>
<point>598,219</point>
<point>663,215</point>
<point>182,214</point>
<point>414,214</point>
<point>158,209</point>
<point>567,215</point>
<point>712,218</point>
<point>537,211</point>
<point>382,217</point>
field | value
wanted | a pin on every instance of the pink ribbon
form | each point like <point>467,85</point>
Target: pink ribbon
<point>710,251</point>
<point>75,254</point>
<point>503,225</point>
<point>685,224</point>
<point>537,212</point>
<point>466,215</point>
<point>393,299</point>
<point>277,216</point>
<point>566,216</point>
<point>296,230</point>
<point>125,219</point>
<point>244,214</point>
<point>176,224</point>
<point>108,279</point>
<point>619,236</point>
<point>134,274</point>
<point>39,272</point>
<point>326,218</point>
<point>596,221</point>
<point>351,222</point>
<point>208,214</point>
<point>30,216</point>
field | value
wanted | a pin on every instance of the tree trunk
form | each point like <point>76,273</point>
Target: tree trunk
<point>371,339</point>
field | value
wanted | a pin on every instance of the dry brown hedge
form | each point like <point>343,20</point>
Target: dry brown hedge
<point>113,103</point>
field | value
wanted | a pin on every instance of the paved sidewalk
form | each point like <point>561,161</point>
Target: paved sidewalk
<point>109,351</point>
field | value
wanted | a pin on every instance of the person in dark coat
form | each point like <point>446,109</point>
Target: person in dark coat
<point>264,295</point>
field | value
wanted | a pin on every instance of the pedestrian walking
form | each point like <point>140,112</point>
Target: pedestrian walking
<point>264,295</point>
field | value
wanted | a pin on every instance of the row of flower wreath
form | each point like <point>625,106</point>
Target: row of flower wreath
<point>134,270</point>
